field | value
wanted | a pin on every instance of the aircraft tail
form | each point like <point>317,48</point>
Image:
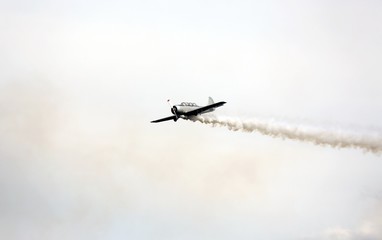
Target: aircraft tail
<point>210,101</point>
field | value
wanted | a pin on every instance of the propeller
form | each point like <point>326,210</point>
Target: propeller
<point>174,110</point>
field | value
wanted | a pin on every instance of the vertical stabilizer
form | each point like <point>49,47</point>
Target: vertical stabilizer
<point>210,101</point>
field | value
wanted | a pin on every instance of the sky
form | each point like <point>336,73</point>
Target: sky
<point>80,82</point>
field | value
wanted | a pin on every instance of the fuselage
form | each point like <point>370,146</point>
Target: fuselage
<point>185,107</point>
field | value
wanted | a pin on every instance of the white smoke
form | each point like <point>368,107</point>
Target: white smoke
<point>318,135</point>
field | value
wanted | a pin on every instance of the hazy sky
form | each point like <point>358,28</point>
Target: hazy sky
<point>81,80</point>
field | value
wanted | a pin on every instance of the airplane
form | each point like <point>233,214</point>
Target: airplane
<point>187,110</point>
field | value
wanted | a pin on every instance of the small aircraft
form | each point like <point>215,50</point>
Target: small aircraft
<point>187,110</point>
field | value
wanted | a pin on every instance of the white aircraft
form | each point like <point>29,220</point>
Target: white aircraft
<point>186,110</point>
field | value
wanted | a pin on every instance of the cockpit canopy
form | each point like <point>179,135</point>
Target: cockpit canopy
<point>189,104</point>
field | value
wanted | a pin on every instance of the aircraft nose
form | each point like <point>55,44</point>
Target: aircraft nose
<point>174,109</point>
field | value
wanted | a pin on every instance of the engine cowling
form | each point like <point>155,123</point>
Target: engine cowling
<point>174,110</point>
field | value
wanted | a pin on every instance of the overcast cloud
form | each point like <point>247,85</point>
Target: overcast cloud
<point>80,82</point>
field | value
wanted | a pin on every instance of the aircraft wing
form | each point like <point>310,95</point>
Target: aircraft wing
<point>165,119</point>
<point>205,108</point>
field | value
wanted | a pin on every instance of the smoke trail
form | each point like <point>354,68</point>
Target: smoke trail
<point>316,135</point>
